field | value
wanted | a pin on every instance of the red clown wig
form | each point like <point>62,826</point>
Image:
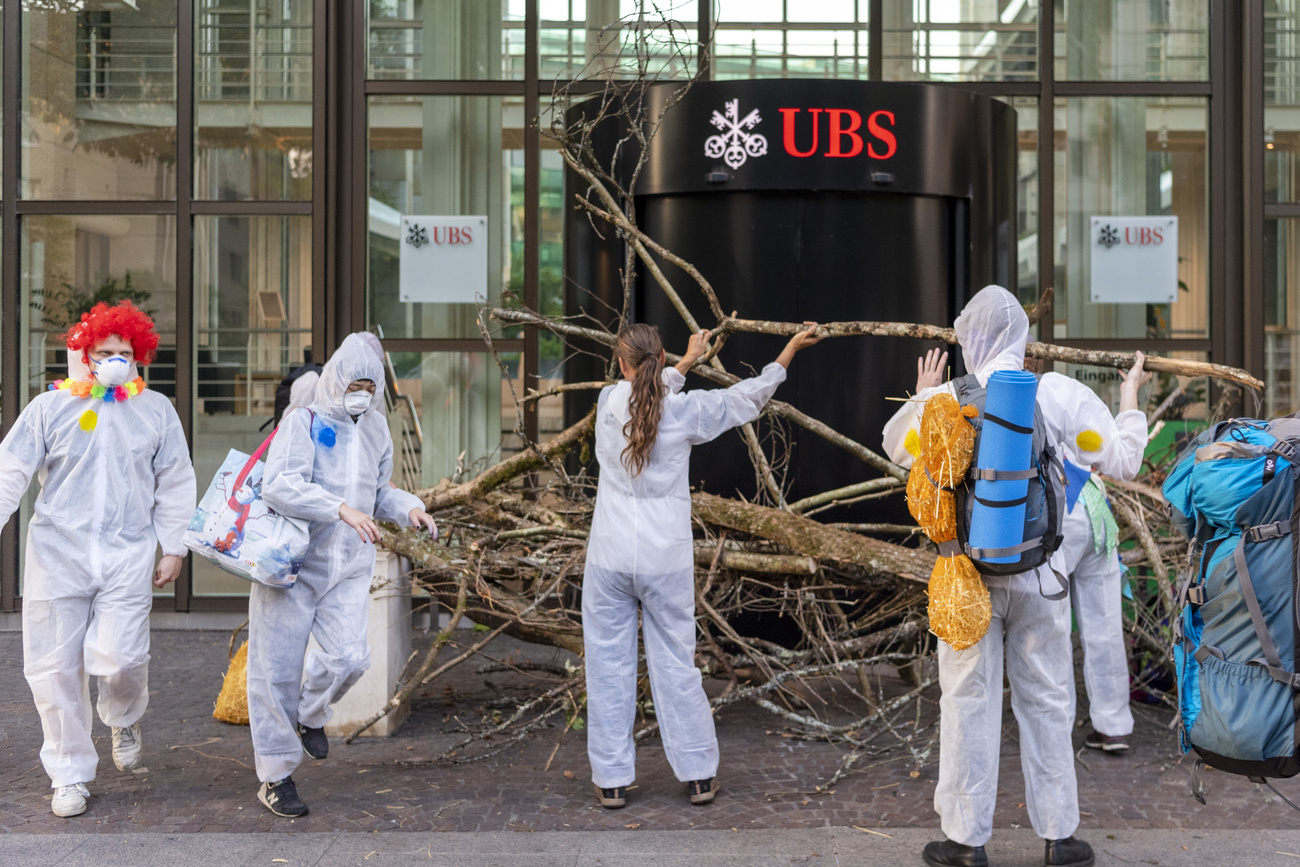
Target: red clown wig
<point>124,320</point>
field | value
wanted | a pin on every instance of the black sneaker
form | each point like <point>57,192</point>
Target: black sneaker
<point>1068,853</point>
<point>282,799</point>
<point>946,853</point>
<point>1095,740</point>
<point>612,799</point>
<point>314,742</point>
<point>701,791</point>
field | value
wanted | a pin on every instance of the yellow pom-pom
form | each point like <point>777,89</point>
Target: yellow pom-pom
<point>132,389</point>
<point>88,420</point>
<point>912,442</point>
<point>1089,441</point>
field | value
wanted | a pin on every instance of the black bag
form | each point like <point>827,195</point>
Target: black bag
<point>284,390</point>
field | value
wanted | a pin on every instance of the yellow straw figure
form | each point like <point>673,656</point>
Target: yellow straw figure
<point>959,602</point>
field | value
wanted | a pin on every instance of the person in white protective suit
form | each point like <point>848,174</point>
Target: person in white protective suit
<point>1032,631</point>
<point>327,466</point>
<point>640,554</point>
<point>116,483</point>
<point>1089,549</point>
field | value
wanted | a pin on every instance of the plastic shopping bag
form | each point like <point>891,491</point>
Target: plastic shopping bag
<point>235,530</point>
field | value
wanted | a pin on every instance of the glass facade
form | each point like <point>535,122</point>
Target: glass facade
<point>240,168</point>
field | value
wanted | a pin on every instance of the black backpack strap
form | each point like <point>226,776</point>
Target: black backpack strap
<point>1264,781</point>
<point>1011,426</point>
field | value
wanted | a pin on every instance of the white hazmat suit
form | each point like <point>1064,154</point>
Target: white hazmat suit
<point>1092,562</point>
<point>1034,632</point>
<point>318,461</point>
<point>116,482</point>
<point>641,553</point>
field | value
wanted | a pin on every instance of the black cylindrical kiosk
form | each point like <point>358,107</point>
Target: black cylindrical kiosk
<point>812,200</point>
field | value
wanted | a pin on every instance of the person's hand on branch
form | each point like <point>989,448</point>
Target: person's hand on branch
<point>1134,378</point>
<point>930,368</point>
<point>365,525</point>
<point>421,518</point>
<point>804,338</point>
<point>696,348</point>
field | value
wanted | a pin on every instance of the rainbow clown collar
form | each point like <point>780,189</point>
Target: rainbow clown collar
<point>95,391</point>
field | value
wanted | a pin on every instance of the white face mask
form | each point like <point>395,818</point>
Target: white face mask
<point>113,371</point>
<point>357,402</point>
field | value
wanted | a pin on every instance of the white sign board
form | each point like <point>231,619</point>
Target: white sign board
<point>443,259</point>
<point>1134,260</point>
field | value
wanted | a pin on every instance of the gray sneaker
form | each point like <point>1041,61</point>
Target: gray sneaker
<point>126,747</point>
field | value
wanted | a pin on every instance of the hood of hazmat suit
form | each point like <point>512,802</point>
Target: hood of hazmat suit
<point>321,459</point>
<point>642,523</point>
<point>302,393</point>
<point>993,330</point>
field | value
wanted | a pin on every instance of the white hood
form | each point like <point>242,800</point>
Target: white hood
<point>992,330</point>
<point>353,360</point>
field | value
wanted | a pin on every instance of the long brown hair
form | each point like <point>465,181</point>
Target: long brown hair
<point>640,347</point>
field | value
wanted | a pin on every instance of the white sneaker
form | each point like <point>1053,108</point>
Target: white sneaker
<point>126,747</point>
<point>70,800</point>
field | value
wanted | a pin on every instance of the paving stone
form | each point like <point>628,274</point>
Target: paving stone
<point>200,778</point>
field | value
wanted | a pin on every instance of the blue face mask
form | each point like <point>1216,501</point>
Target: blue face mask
<point>113,371</point>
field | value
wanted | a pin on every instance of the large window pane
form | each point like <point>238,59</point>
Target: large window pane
<point>1281,102</point>
<point>445,39</point>
<point>1281,317</point>
<point>71,262</point>
<point>253,89</point>
<point>252,319</point>
<point>977,40</point>
<point>464,405</point>
<point>444,156</point>
<point>1133,40</point>
<point>590,38</point>
<point>766,39</point>
<point>1131,156</point>
<point>99,100</point>
<point>1027,196</point>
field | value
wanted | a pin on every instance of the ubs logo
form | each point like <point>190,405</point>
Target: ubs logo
<point>1134,236</point>
<point>736,142</point>
<point>843,138</point>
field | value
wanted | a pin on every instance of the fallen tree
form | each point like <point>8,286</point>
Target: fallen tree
<point>849,598</point>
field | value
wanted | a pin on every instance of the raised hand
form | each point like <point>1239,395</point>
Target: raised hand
<point>930,369</point>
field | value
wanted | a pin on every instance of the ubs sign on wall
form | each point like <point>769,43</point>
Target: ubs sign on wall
<point>1134,260</point>
<point>443,259</point>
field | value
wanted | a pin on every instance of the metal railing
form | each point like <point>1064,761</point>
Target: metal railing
<point>273,64</point>
<point>132,63</point>
<point>124,62</point>
<point>409,466</point>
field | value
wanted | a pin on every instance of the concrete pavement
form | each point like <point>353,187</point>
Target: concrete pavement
<point>818,847</point>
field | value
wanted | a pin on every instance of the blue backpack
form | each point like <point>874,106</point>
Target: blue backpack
<point>1233,493</point>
